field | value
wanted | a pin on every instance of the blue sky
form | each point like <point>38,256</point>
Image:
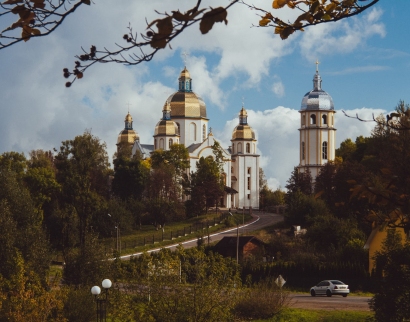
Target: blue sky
<point>364,64</point>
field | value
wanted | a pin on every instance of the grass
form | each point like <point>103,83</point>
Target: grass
<point>303,315</point>
<point>148,237</point>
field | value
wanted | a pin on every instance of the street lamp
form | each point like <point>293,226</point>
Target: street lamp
<point>101,299</point>
<point>118,240</point>
<point>237,239</point>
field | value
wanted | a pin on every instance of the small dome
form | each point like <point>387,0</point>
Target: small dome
<point>127,136</point>
<point>166,127</point>
<point>243,130</point>
<point>128,118</point>
<point>317,99</point>
<point>185,73</point>
<point>185,103</point>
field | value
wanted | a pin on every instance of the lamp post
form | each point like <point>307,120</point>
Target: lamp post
<point>101,299</point>
<point>118,239</point>
<point>237,239</point>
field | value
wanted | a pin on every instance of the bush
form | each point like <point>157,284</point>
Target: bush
<point>261,301</point>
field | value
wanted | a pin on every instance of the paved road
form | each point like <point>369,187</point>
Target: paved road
<point>349,303</point>
<point>259,221</point>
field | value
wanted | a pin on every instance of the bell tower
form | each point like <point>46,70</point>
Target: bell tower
<point>317,131</point>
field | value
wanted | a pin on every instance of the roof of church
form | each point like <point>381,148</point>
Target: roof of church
<point>317,99</point>
<point>185,103</point>
<point>243,130</point>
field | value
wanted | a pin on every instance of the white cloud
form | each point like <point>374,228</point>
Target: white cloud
<point>278,88</point>
<point>343,36</point>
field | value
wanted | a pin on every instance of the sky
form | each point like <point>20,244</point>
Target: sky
<point>364,65</point>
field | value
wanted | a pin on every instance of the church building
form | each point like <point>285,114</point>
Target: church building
<point>317,131</point>
<point>184,121</point>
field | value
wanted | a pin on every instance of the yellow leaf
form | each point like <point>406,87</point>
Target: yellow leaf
<point>326,17</point>
<point>330,7</point>
<point>277,4</point>
<point>264,22</point>
<point>278,30</point>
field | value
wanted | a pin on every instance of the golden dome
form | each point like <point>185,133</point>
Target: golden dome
<point>127,136</point>
<point>185,73</point>
<point>166,127</point>
<point>243,131</point>
<point>128,118</point>
<point>243,112</point>
<point>185,103</point>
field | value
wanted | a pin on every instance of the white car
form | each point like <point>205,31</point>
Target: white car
<point>329,288</point>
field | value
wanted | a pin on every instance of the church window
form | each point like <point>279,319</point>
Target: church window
<point>324,150</point>
<point>192,130</point>
<point>231,169</point>
<point>187,86</point>
<point>239,147</point>
<point>303,119</point>
<point>324,119</point>
<point>171,142</point>
<point>303,150</point>
<point>155,144</point>
<point>248,148</point>
<point>204,132</point>
<point>249,196</point>
<point>249,170</point>
<point>179,129</point>
<point>313,119</point>
<point>161,144</point>
<point>233,148</point>
<point>249,183</point>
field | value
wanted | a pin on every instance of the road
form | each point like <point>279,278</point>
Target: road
<point>259,221</point>
<point>349,303</point>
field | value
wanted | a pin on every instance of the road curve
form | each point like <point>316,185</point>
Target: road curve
<point>259,221</point>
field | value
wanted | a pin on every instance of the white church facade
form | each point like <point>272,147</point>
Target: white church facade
<point>317,134</point>
<point>184,121</point>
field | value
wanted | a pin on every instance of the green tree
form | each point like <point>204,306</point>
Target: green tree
<point>206,185</point>
<point>130,178</point>
<point>82,170</point>
<point>391,302</point>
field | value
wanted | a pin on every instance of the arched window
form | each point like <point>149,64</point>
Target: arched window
<point>313,119</point>
<point>203,132</point>
<point>239,147</point>
<point>179,130</point>
<point>155,144</point>
<point>171,142</point>
<point>303,119</point>
<point>161,144</point>
<point>192,131</point>
<point>303,150</point>
<point>248,148</point>
<point>324,119</point>
<point>249,170</point>
<point>324,150</point>
<point>231,169</point>
<point>233,148</point>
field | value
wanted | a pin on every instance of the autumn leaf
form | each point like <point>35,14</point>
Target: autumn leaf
<point>277,4</point>
<point>264,22</point>
<point>215,15</point>
<point>286,32</point>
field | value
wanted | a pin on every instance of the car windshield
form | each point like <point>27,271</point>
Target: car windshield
<point>337,283</point>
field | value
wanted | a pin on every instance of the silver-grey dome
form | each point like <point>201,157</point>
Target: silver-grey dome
<point>317,99</point>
